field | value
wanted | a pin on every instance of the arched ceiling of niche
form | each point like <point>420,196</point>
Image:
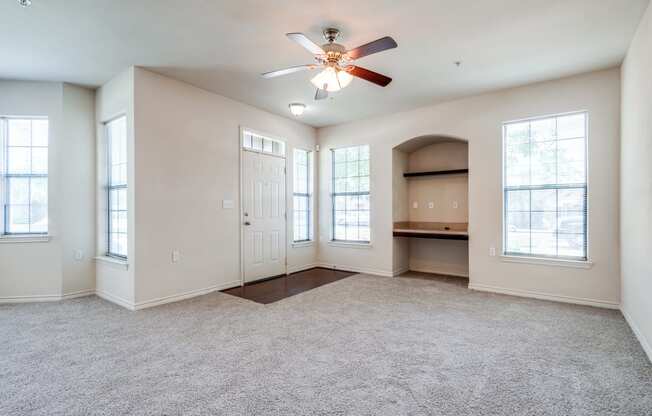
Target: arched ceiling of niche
<point>416,143</point>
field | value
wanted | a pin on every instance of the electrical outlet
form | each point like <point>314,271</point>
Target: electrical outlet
<point>431,205</point>
<point>175,256</point>
<point>415,205</point>
<point>492,251</point>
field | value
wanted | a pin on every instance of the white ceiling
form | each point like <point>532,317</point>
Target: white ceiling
<point>223,46</point>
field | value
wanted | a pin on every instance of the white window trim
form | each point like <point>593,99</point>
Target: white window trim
<point>25,238</point>
<point>113,261</point>
<point>107,148</point>
<point>533,259</point>
<point>343,243</point>
<point>31,237</point>
<point>311,188</point>
<point>543,261</point>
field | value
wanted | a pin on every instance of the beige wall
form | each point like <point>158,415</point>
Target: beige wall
<point>479,119</point>
<point>636,183</point>
<point>115,281</point>
<point>49,270</point>
<point>187,162</point>
<point>449,257</point>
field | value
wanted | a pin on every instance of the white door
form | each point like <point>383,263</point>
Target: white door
<point>263,215</point>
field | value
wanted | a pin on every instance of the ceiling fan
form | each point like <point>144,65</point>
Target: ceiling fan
<point>336,62</point>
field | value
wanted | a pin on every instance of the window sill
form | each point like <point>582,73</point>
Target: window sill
<point>576,264</point>
<point>299,244</point>
<point>118,263</point>
<point>25,238</point>
<point>349,244</point>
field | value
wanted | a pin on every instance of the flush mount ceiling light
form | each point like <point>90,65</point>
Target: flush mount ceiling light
<point>336,62</point>
<point>25,3</point>
<point>297,108</point>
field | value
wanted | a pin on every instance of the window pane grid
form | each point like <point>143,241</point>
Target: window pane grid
<point>117,223</point>
<point>545,191</point>
<point>24,175</point>
<point>302,192</point>
<point>350,197</point>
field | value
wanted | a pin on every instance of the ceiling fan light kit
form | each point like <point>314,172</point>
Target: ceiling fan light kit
<point>336,62</point>
<point>297,108</point>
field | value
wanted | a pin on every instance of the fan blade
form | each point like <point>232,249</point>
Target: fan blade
<point>303,40</point>
<point>376,46</point>
<point>321,94</point>
<point>289,70</point>
<point>370,76</point>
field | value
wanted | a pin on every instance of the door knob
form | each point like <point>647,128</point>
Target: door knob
<point>247,223</point>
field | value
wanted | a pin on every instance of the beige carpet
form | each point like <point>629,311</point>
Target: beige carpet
<point>361,346</point>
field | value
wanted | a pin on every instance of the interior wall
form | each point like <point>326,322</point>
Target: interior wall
<point>115,279</point>
<point>479,119</point>
<point>187,163</point>
<point>47,270</point>
<point>448,193</point>
<point>400,210</point>
<point>636,183</point>
<point>78,186</point>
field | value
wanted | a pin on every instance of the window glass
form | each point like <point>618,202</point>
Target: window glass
<point>302,200</point>
<point>24,175</point>
<point>545,187</point>
<point>351,208</point>
<point>116,134</point>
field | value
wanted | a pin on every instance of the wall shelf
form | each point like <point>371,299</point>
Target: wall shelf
<point>435,173</point>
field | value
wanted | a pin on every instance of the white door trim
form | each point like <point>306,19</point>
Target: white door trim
<point>241,192</point>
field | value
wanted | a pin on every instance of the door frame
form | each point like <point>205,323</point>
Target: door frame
<point>241,193</point>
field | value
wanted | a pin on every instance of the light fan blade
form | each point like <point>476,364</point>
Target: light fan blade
<point>287,71</point>
<point>371,76</point>
<point>321,94</point>
<point>303,40</point>
<point>376,46</point>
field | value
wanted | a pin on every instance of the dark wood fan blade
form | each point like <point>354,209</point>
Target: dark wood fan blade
<point>303,40</point>
<point>286,71</point>
<point>370,76</point>
<point>376,46</point>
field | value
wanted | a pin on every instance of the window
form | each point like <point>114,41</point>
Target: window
<point>257,143</point>
<point>116,135</point>
<point>545,187</point>
<point>302,191</point>
<point>24,175</point>
<point>351,194</point>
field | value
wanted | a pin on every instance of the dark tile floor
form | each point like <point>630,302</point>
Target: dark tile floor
<point>272,290</point>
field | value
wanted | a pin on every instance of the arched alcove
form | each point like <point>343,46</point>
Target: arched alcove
<point>430,205</point>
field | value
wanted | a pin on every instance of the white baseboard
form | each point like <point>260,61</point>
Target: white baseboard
<point>116,299</point>
<point>46,298</point>
<point>647,346</point>
<point>78,294</point>
<point>29,298</point>
<point>296,269</point>
<point>545,296</point>
<point>438,271</point>
<point>365,270</point>
<point>186,295</point>
<point>400,271</point>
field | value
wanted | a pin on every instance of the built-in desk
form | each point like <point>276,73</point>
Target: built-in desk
<point>437,230</point>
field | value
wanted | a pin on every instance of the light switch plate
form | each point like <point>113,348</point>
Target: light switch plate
<point>227,204</point>
<point>415,205</point>
<point>455,204</point>
<point>175,256</point>
<point>431,205</point>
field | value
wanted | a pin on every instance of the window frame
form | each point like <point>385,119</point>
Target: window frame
<point>5,176</point>
<point>543,258</point>
<point>110,187</point>
<point>333,195</point>
<point>308,196</point>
